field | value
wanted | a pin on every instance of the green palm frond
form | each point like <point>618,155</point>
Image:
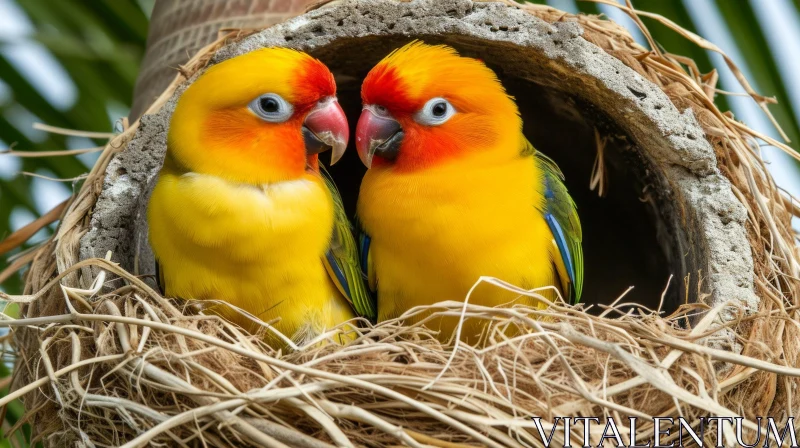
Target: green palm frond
<point>761,62</point>
<point>99,45</point>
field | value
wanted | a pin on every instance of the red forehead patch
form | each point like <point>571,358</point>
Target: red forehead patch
<point>315,81</point>
<point>383,86</point>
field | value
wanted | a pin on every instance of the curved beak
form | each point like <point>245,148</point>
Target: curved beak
<point>326,128</point>
<point>378,133</point>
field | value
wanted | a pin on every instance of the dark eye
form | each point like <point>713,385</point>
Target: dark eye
<point>435,112</point>
<point>271,107</point>
<point>439,109</point>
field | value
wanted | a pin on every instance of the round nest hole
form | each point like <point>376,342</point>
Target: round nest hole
<point>630,236</point>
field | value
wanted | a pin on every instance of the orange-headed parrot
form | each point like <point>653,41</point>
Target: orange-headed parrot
<point>241,213</point>
<point>454,190</point>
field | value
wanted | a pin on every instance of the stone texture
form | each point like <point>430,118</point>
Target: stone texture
<point>700,222</point>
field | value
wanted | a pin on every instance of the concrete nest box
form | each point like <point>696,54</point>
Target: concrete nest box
<point>667,210</point>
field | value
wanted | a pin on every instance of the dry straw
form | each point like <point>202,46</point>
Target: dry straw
<point>132,368</point>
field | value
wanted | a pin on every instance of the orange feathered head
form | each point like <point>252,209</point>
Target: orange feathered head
<point>425,105</point>
<point>258,118</point>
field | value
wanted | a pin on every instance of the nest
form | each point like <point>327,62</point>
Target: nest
<point>110,363</point>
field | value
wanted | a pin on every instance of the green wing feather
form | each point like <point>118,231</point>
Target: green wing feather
<point>342,262</point>
<point>562,216</point>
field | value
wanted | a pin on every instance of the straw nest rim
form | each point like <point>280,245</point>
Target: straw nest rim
<point>131,367</point>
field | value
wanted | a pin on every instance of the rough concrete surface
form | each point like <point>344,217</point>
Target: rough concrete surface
<point>703,219</point>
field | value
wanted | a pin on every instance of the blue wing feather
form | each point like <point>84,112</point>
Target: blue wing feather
<point>338,275</point>
<point>367,269</point>
<point>342,259</point>
<point>561,242</point>
<point>562,218</point>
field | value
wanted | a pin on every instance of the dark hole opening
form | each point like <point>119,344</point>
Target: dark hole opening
<point>628,234</point>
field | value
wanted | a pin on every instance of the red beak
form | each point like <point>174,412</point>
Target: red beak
<point>377,133</point>
<point>326,128</point>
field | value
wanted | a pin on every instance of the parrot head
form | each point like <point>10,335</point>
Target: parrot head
<point>425,105</point>
<point>258,118</point>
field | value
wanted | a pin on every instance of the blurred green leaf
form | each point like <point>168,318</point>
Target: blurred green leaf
<point>99,44</point>
<point>761,62</point>
<point>588,7</point>
<point>674,43</point>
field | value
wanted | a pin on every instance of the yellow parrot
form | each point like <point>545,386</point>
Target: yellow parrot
<point>454,191</point>
<point>241,213</point>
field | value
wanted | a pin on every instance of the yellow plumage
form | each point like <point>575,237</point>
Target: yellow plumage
<point>239,213</point>
<point>454,191</point>
<point>257,248</point>
<point>461,223</point>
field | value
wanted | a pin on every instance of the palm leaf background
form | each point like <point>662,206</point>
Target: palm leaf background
<point>66,63</point>
<point>73,64</point>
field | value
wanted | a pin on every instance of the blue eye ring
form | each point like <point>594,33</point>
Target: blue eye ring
<point>271,107</point>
